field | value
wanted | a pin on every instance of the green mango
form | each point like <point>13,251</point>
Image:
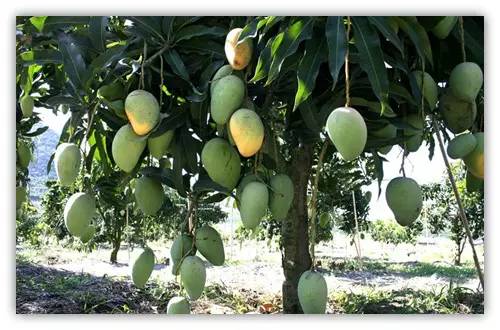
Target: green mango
<point>313,292</point>
<point>21,196</point>
<point>193,276</point>
<point>473,183</point>
<point>281,196</point>
<point>224,71</point>
<point>27,104</point>
<point>253,204</point>
<point>475,159</point>
<point>23,154</point>
<point>143,111</point>
<point>142,266</point>
<point>222,162</point>
<point>404,198</point>
<point>67,160</point>
<point>466,80</point>
<point>127,148</point>
<point>458,115</point>
<point>178,305</point>
<point>158,146</point>
<point>111,92</point>
<point>149,195</point>
<point>461,145</point>
<point>347,130</point>
<point>443,28</point>
<point>181,247</point>
<point>78,212</point>
<point>430,88</point>
<point>324,220</point>
<point>209,243</point>
<point>226,98</point>
<point>88,234</point>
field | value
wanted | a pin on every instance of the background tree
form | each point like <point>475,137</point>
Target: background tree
<point>443,216</point>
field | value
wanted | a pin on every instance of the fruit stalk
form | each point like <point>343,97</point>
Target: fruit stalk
<point>462,39</point>
<point>461,212</point>
<point>347,85</point>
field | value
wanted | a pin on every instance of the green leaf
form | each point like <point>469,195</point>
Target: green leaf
<point>178,165</point>
<point>175,62</point>
<point>97,30</point>
<point>383,25</point>
<point>74,64</point>
<point>271,21</point>
<point>109,56</point>
<point>250,30</point>
<point>38,22</point>
<point>307,72</point>
<point>59,22</point>
<point>192,31</point>
<point>37,132</point>
<point>167,26</point>
<point>292,37</point>
<point>205,184</point>
<point>337,45</point>
<point>170,121</point>
<point>42,56</point>
<point>417,35</point>
<point>203,46</point>
<point>148,24</point>
<point>372,59</point>
<point>263,63</point>
<point>309,114</point>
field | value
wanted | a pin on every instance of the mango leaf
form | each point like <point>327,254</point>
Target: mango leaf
<point>205,184</point>
<point>178,165</point>
<point>41,56</point>
<point>263,63</point>
<point>307,72</point>
<point>167,25</point>
<point>417,35</point>
<point>164,175</point>
<point>108,57</point>
<point>382,24</point>
<point>214,198</point>
<point>97,30</point>
<point>52,23</point>
<point>271,21</point>
<point>203,46</point>
<point>292,37</point>
<point>309,114</point>
<point>38,131</point>
<point>169,121</point>
<point>192,31</point>
<point>192,148</point>
<point>250,30</point>
<point>38,22</point>
<point>148,24</point>
<point>337,45</point>
<point>175,62</point>
<point>74,64</point>
<point>372,59</point>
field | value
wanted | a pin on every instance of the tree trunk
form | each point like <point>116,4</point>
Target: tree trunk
<point>117,241</point>
<point>458,252</point>
<point>295,238</point>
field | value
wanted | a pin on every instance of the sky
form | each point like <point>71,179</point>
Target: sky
<point>417,166</point>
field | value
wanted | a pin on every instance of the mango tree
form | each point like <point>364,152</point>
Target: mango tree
<point>239,106</point>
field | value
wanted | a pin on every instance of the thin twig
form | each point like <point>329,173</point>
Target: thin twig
<point>462,38</point>
<point>461,212</point>
<point>347,84</point>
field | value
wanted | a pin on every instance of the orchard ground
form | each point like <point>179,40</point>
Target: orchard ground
<point>392,279</point>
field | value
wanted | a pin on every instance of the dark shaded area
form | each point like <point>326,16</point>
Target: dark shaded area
<point>43,290</point>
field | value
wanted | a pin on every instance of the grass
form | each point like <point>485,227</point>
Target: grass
<point>424,269</point>
<point>451,300</point>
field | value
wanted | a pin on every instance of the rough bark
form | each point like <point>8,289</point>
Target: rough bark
<point>295,238</point>
<point>117,241</point>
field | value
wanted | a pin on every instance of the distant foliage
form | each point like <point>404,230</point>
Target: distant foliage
<point>390,232</point>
